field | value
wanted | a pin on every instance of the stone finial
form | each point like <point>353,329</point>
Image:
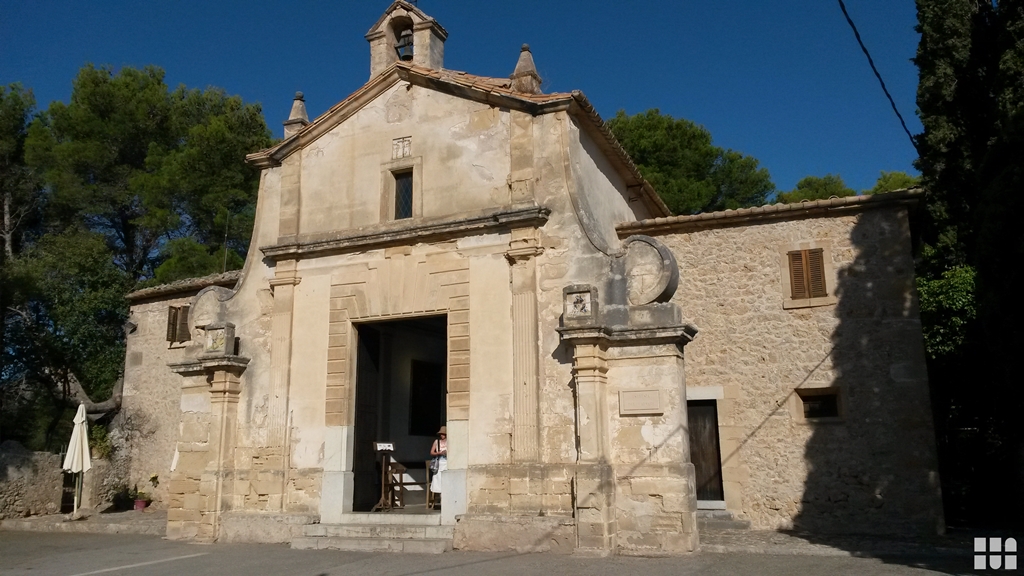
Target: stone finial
<point>525,78</point>
<point>298,118</point>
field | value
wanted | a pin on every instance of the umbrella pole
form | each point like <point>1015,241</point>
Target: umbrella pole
<point>78,491</point>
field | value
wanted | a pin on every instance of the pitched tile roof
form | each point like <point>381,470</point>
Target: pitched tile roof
<point>187,285</point>
<point>807,208</point>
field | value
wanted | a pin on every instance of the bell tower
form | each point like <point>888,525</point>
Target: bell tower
<point>405,33</point>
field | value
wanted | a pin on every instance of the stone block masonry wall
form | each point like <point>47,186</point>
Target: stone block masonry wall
<point>874,468</point>
<point>30,482</point>
<point>146,431</point>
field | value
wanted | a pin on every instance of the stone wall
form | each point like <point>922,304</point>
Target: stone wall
<point>874,469</point>
<point>145,433</point>
<point>30,482</point>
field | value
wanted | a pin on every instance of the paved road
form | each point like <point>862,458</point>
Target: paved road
<point>35,553</point>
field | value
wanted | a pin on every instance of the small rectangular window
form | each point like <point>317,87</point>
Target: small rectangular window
<point>403,195</point>
<point>177,324</point>
<point>807,274</point>
<point>819,403</point>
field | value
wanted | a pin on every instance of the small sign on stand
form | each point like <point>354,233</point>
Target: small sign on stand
<point>392,486</point>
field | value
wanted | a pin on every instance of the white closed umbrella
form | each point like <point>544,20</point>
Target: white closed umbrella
<point>77,460</point>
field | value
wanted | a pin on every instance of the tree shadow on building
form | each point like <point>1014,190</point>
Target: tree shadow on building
<point>872,485</point>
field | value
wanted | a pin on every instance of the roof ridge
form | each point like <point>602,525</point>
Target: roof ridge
<point>906,195</point>
<point>186,285</point>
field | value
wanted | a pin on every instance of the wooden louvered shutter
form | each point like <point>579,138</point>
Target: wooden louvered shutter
<point>172,323</point>
<point>183,333</point>
<point>816,273</point>
<point>798,275</point>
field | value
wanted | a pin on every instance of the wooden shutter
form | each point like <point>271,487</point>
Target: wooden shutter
<point>798,275</point>
<point>183,334</point>
<point>807,274</point>
<point>172,323</point>
<point>816,273</point>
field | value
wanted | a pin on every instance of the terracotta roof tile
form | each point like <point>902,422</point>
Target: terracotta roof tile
<point>741,215</point>
<point>187,285</point>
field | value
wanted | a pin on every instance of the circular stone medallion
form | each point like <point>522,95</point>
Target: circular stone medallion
<point>651,271</point>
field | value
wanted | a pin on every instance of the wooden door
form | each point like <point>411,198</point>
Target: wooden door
<point>366,477</point>
<point>704,451</point>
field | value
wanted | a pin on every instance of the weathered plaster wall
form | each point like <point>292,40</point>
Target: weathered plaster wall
<point>599,192</point>
<point>876,469</point>
<point>460,147</point>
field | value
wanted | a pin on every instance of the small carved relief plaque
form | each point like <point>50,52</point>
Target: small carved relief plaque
<point>635,402</point>
<point>578,304</point>
<point>215,340</point>
<point>401,147</point>
<point>219,340</point>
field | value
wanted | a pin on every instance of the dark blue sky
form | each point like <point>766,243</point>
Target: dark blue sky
<point>781,80</point>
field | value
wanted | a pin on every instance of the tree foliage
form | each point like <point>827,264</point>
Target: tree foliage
<point>817,188</point>
<point>143,165</point>
<point>689,172</point>
<point>893,181</point>
<point>971,98</point>
<point>129,182</point>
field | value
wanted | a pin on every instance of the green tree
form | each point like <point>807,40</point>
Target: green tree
<point>892,181</point>
<point>689,172</point>
<point>144,165</point>
<point>129,182</point>
<point>65,333</point>
<point>970,99</point>
<point>18,184</point>
<point>20,210</point>
<point>817,188</point>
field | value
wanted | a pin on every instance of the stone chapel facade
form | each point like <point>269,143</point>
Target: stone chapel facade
<point>444,248</point>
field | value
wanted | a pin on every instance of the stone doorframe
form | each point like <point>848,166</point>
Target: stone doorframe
<point>400,286</point>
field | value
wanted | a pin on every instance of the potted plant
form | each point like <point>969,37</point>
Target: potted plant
<point>141,498</point>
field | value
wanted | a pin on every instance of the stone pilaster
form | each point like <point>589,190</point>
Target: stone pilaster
<point>522,253</point>
<point>272,460</point>
<point>225,385</point>
<point>595,482</point>
<point>201,485</point>
<point>635,489</point>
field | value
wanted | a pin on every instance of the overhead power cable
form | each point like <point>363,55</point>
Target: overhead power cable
<point>874,69</point>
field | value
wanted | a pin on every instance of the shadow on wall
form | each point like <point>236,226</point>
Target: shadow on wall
<point>873,468</point>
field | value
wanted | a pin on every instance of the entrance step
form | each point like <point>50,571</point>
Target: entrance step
<point>720,520</point>
<point>419,537</point>
<point>377,518</point>
<point>415,546</point>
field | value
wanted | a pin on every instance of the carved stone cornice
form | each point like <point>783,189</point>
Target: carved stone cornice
<point>285,281</point>
<point>408,232</point>
<point>522,252</point>
<point>209,364</point>
<point>618,336</point>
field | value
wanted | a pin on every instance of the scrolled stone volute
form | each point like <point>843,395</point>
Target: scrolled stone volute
<point>208,307</point>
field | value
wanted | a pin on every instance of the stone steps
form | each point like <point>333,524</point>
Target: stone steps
<point>402,531</point>
<point>414,546</point>
<point>419,534</point>
<point>720,520</point>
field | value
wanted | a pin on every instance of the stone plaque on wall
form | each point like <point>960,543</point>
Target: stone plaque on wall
<point>579,305</point>
<point>219,339</point>
<point>637,402</point>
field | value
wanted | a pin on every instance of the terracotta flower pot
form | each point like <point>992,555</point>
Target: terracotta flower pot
<point>140,504</point>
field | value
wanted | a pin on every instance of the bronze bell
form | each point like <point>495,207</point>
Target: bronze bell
<point>404,45</point>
